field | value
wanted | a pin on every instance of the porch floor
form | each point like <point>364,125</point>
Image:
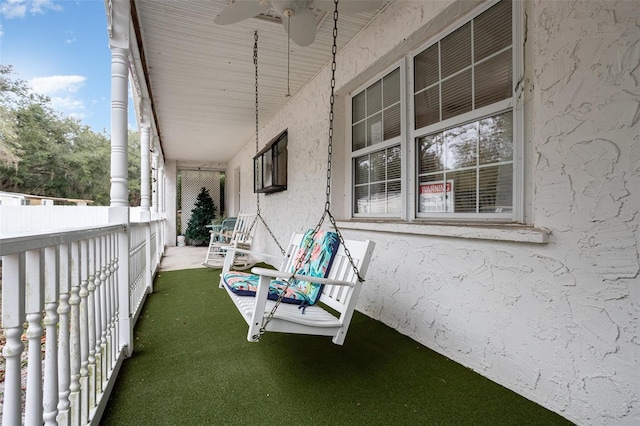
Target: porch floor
<point>192,365</point>
<point>186,257</point>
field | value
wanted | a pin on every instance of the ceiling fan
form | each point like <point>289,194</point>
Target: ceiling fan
<point>298,18</point>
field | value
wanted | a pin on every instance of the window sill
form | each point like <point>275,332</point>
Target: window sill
<point>499,232</point>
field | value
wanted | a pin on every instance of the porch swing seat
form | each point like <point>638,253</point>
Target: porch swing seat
<point>319,301</point>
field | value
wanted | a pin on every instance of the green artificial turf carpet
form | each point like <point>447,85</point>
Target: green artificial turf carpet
<point>192,365</point>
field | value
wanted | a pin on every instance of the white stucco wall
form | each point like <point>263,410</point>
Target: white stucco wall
<point>555,322</point>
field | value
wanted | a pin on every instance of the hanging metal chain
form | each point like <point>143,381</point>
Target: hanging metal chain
<point>327,205</point>
<point>258,215</point>
<point>255,63</point>
<point>288,95</point>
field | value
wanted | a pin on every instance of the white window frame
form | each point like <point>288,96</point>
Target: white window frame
<point>398,140</point>
<point>408,135</point>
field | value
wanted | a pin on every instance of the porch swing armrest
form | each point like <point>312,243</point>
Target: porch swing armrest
<point>256,254</point>
<point>284,275</point>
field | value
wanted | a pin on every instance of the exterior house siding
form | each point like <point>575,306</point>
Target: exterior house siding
<point>555,322</point>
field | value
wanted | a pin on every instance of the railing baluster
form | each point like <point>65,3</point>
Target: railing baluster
<point>34,306</point>
<point>99,322</point>
<point>74,301</point>
<point>84,333</point>
<point>104,326</point>
<point>51,295</point>
<point>13,293</point>
<point>64,372</point>
<point>109,301</point>
<point>116,298</point>
<point>91,324</point>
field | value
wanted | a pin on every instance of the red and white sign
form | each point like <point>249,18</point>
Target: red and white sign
<point>436,197</point>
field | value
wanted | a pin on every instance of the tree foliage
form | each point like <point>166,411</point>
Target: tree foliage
<point>45,153</point>
<point>202,214</point>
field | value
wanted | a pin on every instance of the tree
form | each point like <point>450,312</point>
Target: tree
<point>202,214</point>
<point>133,153</point>
<point>88,171</point>
<point>44,153</point>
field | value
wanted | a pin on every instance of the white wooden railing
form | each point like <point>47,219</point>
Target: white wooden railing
<point>74,298</point>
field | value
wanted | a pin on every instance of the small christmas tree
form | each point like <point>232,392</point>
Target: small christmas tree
<point>203,212</point>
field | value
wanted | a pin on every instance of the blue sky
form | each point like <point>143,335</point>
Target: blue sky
<point>61,48</point>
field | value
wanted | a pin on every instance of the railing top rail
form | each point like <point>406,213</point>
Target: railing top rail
<point>12,244</point>
<point>142,223</point>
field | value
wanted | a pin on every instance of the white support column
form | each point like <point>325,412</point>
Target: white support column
<point>119,103</point>
<point>145,173</point>
<point>154,182</point>
<point>119,23</point>
<point>161,189</point>
<point>144,170</point>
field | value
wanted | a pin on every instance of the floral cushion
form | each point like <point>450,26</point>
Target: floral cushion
<point>316,263</point>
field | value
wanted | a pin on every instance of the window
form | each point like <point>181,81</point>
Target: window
<point>270,166</point>
<point>462,100</point>
<point>475,160</point>
<point>463,129</point>
<point>375,145</point>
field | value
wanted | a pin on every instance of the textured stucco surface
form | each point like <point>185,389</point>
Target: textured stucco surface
<point>555,322</point>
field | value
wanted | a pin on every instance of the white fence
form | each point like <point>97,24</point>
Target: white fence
<point>22,219</point>
<point>88,296</point>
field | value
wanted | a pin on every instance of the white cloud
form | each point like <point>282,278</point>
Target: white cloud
<point>38,6</point>
<point>70,38</point>
<point>78,115</point>
<point>1,31</point>
<point>10,9</point>
<point>57,83</point>
<point>63,92</point>
<point>13,9</point>
<point>69,106</point>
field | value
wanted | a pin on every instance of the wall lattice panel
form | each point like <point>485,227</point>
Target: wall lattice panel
<point>192,182</point>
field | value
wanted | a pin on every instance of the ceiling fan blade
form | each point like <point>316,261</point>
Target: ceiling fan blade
<point>349,6</point>
<point>303,26</point>
<point>241,10</point>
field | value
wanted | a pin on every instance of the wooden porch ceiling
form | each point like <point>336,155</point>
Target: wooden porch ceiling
<point>201,75</point>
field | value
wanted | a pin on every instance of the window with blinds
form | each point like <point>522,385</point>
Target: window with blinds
<point>375,132</point>
<point>467,169</point>
<point>375,112</point>
<point>468,69</point>
<point>458,141</point>
<point>378,182</point>
<point>465,156</point>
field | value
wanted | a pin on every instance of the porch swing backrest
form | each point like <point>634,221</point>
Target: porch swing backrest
<point>243,231</point>
<point>333,296</point>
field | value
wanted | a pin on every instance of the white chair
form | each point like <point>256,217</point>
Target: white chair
<point>240,236</point>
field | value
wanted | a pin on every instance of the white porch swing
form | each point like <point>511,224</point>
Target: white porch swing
<point>319,268</point>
